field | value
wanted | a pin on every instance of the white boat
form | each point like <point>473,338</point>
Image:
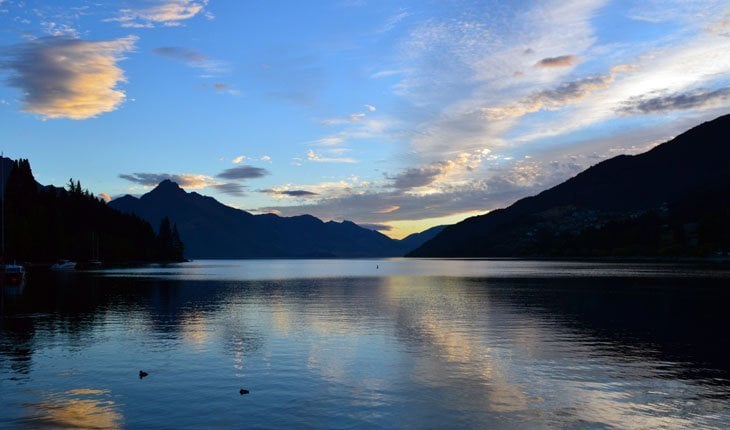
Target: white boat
<point>64,266</point>
<point>13,275</point>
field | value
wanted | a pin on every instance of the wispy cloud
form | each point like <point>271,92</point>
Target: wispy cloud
<point>231,188</point>
<point>243,172</point>
<point>416,177</point>
<point>168,13</point>
<point>190,181</point>
<point>59,29</point>
<point>185,180</point>
<point>662,103</point>
<point>319,158</point>
<point>384,204</point>
<point>555,98</point>
<point>386,73</point>
<point>394,20</point>
<point>68,78</point>
<point>376,227</point>
<point>285,192</point>
<point>195,59</point>
<point>560,61</point>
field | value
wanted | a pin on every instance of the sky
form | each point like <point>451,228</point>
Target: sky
<point>397,115</point>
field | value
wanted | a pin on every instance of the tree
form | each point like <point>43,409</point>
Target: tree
<point>177,244</point>
<point>44,224</point>
<point>164,239</point>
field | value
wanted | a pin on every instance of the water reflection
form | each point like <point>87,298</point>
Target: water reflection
<point>391,351</point>
<point>79,408</point>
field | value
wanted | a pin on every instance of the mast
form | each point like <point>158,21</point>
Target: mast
<point>2,178</point>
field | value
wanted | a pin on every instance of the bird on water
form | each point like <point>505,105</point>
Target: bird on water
<point>142,374</point>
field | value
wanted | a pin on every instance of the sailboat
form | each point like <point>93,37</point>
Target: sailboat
<point>94,263</point>
<point>12,275</point>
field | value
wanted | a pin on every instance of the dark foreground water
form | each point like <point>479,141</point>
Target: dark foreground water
<point>343,344</point>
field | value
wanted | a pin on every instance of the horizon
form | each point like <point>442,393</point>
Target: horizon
<point>396,116</point>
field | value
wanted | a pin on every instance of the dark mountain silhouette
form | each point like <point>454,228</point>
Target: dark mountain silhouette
<point>671,200</point>
<point>415,240</point>
<point>44,223</point>
<point>211,229</point>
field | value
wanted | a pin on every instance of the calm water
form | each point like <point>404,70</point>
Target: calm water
<point>341,344</point>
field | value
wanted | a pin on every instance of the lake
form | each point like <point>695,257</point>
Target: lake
<point>369,344</point>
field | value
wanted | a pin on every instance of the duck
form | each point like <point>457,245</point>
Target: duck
<point>142,374</point>
<point>242,392</point>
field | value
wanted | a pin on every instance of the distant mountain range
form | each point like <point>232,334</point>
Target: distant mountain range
<point>671,200</point>
<point>211,229</point>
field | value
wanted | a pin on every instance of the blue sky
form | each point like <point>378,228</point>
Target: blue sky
<point>398,115</point>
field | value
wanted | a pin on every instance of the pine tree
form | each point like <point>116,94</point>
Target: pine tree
<point>177,244</point>
<point>164,239</point>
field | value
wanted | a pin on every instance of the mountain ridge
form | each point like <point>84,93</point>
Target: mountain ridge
<point>691,164</point>
<point>211,229</point>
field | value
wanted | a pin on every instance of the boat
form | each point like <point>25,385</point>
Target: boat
<point>13,275</point>
<point>64,266</point>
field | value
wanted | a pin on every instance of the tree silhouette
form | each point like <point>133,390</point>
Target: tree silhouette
<point>47,223</point>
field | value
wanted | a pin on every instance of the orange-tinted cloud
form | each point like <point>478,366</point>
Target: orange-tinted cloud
<point>69,78</point>
<point>561,61</point>
<point>169,13</point>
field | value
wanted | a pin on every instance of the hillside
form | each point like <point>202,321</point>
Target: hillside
<point>211,229</point>
<point>45,223</point>
<point>671,200</point>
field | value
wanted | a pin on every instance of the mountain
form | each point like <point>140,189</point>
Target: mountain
<point>44,223</point>
<point>671,200</point>
<point>415,240</point>
<point>211,229</point>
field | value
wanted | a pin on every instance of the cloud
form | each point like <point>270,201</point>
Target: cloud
<point>387,210</point>
<point>59,29</point>
<point>393,21</point>
<point>195,59</point>
<point>185,180</point>
<point>552,99</point>
<point>169,13</point>
<point>318,158</point>
<point>416,177</point>
<point>385,73</point>
<point>243,172</point>
<point>222,87</point>
<point>68,78</point>
<point>104,196</point>
<point>288,193</point>
<point>561,61</point>
<point>238,159</point>
<point>376,227</point>
<point>506,184</point>
<point>442,171</point>
<point>695,99</point>
<point>266,158</point>
<point>353,117</point>
<point>231,188</point>
<point>328,141</point>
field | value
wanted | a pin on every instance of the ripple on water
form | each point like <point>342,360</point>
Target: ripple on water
<point>454,344</point>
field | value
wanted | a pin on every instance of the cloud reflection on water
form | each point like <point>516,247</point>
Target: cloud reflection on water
<point>84,408</point>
